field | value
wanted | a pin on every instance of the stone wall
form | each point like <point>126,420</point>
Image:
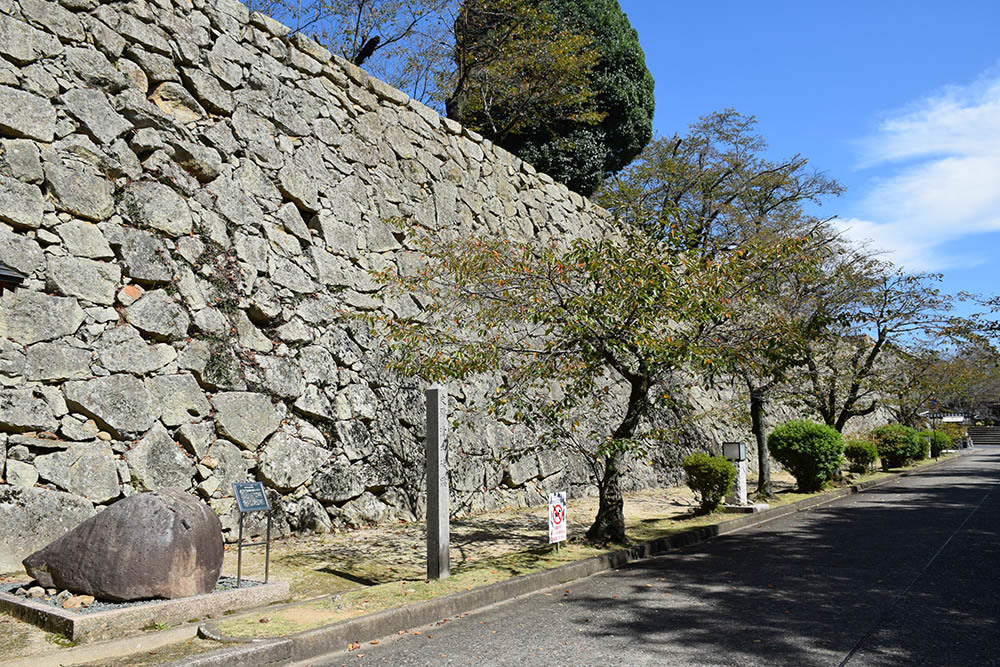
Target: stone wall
<point>195,198</point>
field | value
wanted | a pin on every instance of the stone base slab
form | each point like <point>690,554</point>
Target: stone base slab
<point>114,623</point>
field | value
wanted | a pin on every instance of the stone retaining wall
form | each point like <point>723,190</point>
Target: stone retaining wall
<point>195,197</point>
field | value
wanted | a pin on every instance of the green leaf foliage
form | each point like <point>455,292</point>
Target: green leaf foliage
<point>563,84</point>
<point>862,454</point>
<point>939,441</point>
<point>898,445</point>
<point>811,452</point>
<point>710,477</point>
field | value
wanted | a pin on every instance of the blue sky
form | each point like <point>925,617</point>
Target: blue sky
<point>899,101</point>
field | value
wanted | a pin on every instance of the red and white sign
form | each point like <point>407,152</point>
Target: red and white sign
<point>557,517</point>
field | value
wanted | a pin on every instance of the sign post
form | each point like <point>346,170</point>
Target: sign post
<point>250,497</point>
<point>557,517</point>
<point>438,529</point>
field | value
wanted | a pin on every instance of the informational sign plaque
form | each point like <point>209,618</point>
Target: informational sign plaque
<point>251,497</point>
<point>557,517</point>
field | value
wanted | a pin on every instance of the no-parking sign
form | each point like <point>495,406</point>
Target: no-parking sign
<point>557,517</point>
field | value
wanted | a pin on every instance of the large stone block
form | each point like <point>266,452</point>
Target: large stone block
<point>87,470</point>
<point>25,115</point>
<point>158,207</point>
<point>84,278</point>
<point>21,204</point>
<point>119,402</point>
<point>31,518</point>
<point>29,317</point>
<point>159,316</point>
<point>287,461</point>
<point>246,418</point>
<point>164,544</point>
<point>26,410</point>
<point>179,398</point>
<point>157,462</point>
<point>79,192</point>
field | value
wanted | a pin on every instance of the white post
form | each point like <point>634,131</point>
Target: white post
<point>741,482</point>
<point>438,564</point>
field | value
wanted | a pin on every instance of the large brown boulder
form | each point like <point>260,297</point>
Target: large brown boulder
<point>163,544</point>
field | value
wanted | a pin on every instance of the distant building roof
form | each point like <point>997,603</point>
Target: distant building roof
<point>9,278</point>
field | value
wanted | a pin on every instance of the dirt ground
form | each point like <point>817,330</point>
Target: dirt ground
<point>357,571</point>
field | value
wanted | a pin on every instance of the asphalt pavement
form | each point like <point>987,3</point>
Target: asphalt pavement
<point>905,574</point>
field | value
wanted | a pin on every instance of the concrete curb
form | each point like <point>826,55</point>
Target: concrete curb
<point>338,636</point>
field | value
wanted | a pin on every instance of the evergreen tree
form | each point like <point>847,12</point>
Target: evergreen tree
<point>562,83</point>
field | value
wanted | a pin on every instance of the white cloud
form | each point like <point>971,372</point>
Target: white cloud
<point>942,156</point>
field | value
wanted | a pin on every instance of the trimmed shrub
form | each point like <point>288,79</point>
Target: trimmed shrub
<point>710,477</point>
<point>898,445</point>
<point>939,442</point>
<point>812,452</point>
<point>862,454</point>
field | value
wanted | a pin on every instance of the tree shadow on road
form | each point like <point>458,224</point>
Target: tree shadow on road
<point>806,593</point>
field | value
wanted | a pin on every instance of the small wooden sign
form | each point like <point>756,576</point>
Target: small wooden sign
<point>251,497</point>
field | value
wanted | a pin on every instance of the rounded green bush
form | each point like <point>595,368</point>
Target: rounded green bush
<point>861,453</point>
<point>811,452</point>
<point>710,477</point>
<point>939,441</point>
<point>898,445</point>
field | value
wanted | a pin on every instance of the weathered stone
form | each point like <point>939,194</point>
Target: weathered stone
<point>159,315</point>
<point>159,207</point>
<point>21,204</point>
<point>80,193</point>
<point>299,187</point>
<point>200,161</point>
<point>156,67</point>
<point>145,257</point>
<point>30,317</point>
<point>23,44</point>
<point>281,376</point>
<point>91,107</point>
<point>25,115</point>
<point>133,73</point>
<point>22,159</point>
<point>21,474</point>
<point>179,398</point>
<point>57,19</point>
<point>53,361</point>
<point>287,462</point>
<point>172,99</point>
<point>157,462</point>
<point>336,482</point>
<point>31,518</point>
<point>86,470</point>
<point>313,403</point>
<point>20,252</point>
<point>365,510</point>
<point>209,91</point>
<point>119,403</point>
<point>358,400</point>
<point>196,438</point>
<point>230,465</point>
<point>84,239</point>
<point>246,418</point>
<point>91,68</point>
<point>122,349</point>
<point>163,544</point>
<point>84,278</point>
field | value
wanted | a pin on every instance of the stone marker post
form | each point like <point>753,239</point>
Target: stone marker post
<point>438,529</point>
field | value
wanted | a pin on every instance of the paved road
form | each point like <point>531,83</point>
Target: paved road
<point>903,575</point>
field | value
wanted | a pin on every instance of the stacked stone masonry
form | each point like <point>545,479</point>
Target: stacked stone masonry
<point>196,196</point>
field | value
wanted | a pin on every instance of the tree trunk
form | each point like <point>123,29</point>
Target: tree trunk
<point>757,400</point>
<point>609,526</point>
